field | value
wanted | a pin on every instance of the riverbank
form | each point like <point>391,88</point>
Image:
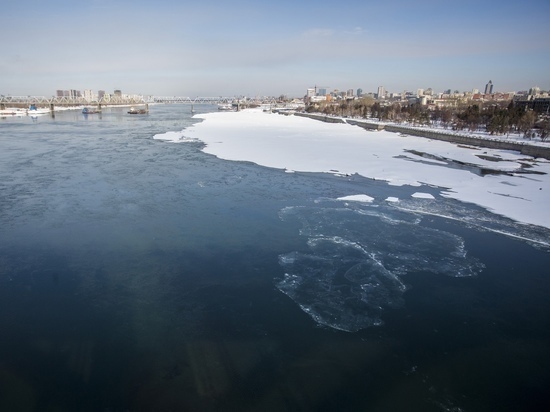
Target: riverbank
<point>528,148</point>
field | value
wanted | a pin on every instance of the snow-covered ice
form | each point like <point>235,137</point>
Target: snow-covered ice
<point>504,182</point>
<point>357,198</point>
<point>421,195</point>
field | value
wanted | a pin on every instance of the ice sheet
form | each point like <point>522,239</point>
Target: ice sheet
<point>301,144</point>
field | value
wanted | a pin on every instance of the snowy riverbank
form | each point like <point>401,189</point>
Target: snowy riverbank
<point>504,182</point>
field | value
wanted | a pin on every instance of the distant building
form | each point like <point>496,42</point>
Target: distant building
<point>89,95</point>
<point>537,104</point>
<point>310,92</point>
<point>489,87</point>
<point>381,92</point>
<point>359,92</point>
<point>315,99</point>
<point>100,94</point>
<point>322,92</point>
<point>350,93</point>
<point>117,93</point>
<point>534,91</point>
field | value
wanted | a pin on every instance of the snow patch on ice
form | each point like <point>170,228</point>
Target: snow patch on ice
<point>421,195</point>
<point>357,198</point>
<point>174,137</point>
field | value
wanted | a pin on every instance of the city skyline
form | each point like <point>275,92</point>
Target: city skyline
<point>272,48</point>
<point>380,92</point>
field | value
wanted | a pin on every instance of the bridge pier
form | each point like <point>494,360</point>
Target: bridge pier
<point>52,110</point>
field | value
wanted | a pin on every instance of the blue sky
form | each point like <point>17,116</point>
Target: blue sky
<point>212,48</point>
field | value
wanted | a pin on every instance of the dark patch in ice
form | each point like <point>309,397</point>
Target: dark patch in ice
<point>471,167</point>
<point>490,158</point>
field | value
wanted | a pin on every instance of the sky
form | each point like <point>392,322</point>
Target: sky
<point>268,48</point>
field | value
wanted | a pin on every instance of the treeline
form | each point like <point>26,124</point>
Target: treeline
<point>495,119</point>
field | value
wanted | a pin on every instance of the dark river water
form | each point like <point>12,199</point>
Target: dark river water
<point>144,275</point>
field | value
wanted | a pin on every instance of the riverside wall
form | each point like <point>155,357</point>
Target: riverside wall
<point>524,148</point>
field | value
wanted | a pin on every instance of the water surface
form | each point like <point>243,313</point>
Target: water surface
<point>142,275</point>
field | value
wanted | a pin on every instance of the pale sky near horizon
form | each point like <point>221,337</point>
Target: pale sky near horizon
<point>243,47</point>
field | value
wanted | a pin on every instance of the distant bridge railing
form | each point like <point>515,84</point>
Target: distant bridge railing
<point>18,101</point>
<point>25,101</point>
<point>210,100</point>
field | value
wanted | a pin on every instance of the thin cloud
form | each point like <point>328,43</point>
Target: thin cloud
<point>317,32</point>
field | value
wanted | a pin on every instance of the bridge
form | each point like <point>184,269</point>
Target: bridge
<point>42,101</point>
<point>108,100</point>
<point>211,100</point>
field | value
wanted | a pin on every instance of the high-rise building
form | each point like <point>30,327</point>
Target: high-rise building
<point>322,92</point>
<point>381,92</point>
<point>359,92</point>
<point>349,93</point>
<point>489,87</point>
<point>89,95</point>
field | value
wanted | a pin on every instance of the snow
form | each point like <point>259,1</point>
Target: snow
<point>297,143</point>
<point>169,136</point>
<point>357,198</point>
<point>421,195</point>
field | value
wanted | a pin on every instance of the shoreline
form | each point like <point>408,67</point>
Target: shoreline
<point>526,148</point>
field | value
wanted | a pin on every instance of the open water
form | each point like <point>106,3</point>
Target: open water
<point>143,275</point>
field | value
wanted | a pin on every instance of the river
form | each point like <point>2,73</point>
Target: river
<point>141,275</point>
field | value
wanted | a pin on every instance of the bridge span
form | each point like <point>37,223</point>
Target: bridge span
<point>43,101</point>
<point>211,100</point>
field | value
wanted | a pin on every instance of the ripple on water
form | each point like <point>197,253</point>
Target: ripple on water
<point>357,258</point>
